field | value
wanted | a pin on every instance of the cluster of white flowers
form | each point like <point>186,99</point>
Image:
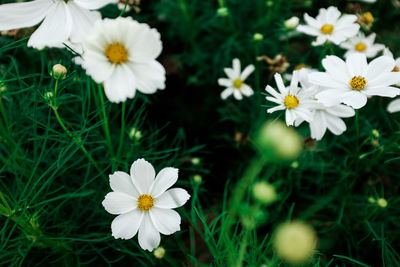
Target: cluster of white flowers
<point>323,98</point>
<point>120,53</point>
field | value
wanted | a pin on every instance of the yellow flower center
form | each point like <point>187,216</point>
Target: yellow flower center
<point>237,83</point>
<point>291,101</point>
<point>367,18</point>
<point>145,202</point>
<point>396,69</point>
<point>360,47</point>
<point>300,66</point>
<point>327,29</point>
<point>116,53</point>
<point>358,83</point>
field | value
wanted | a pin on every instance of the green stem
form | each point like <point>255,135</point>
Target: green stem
<point>105,124</point>
<point>78,141</point>
<point>121,137</point>
<point>243,247</point>
<point>4,114</point>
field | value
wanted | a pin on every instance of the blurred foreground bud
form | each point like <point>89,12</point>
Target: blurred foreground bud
<point>366,20</point>
<point>159,252</point>
<point>382,203</point>
<point>3,87</point>
<point>196,161</point>
<point>222,12</point>
<point>295,242</point>
<point>59,71</point>
<point>197,179</point>
<point>375,133</point>
<point>269,3</point>
<point>276,141</point>
<point>135,134</point>
<point>295,164</point>
<point>258,37</point>
<point>292,23</point>
<point>371,200</point>
<point>48,95</point>
<point>264,192</point>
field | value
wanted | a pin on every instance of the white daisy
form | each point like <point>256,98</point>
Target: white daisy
<point>143,204</point>
<point>235,83</point>
<point>297,101</point>
<point>329,25</point>
<point>121,53</point>
<point>362,44</point>
<point>62,20</point>
<point>351,82</point>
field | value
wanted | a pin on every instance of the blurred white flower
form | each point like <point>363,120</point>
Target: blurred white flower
<point>394,106</point>
<point>62,20</point>
<point>235,83</point>
<point>362,44</point>
<point>143,204</point>
<point>121,53</point>
<point>329,25</point>
<point>351,82</point>
<point>291,23</point>
<point>297,101</point>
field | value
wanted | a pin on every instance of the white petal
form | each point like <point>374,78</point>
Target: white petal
<point>330,97</point>
<point>318,126</point>
<point>272,91</point>
<point>387,91</point>
<point>94,4</point>
<point>122,182</point>
<point>246,90</point>
<point>142,173</point>
<point>231,74</point>
<point>164,180</point>
<point>246,72</point>
<point>120,85</point>
<point>166,221</point>
<point>394,106</point>
<point>83,21</point>
<point>385,79</point>
<point>290,117</point>
<point>125,226</point>
<point>312,22</point>
<point>149,237</point>
<point>119,203</point>
<point>357,64</point>
<point>224,82</point>
<point>308,30</point>
<point>237,94</point>
<point>280,107</point>
<point>55,29</point>
<point>279,82</point>
<point>354,99</point>
<point>326,80</point>
<point>378,67</point>
<point>341,111</point>
<point>236,67</point>
<point>172,198</point>
<point>332,14</point>
<point>149,76</point>
<point>336,67</point>
<point>335,124</point>
<point>226,93</point>
<point>97,65</point>
<point>25,14</point>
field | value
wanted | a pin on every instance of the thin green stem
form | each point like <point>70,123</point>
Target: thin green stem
<point>121,137</point>
<point>105,124</point>
<point>4,114</point>
<point>243,248</point>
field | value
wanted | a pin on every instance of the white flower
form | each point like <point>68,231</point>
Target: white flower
<point>62,20</point>
<point>329,25</point>
<point>362,44</point>
<point>352,81</point>
<point>394,106</point>
<point>121,53</point>
<point>235,83</point>
<point>143,204</point>
<point>295,100</point>
<point>386,52</point>
<point>328,118</point>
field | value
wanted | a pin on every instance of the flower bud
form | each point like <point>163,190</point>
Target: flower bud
<point>3,87</point>
<point>222,12</point>
<point>159,252</point>
<point>375,133</point>
<point>264,193</point>
<point>258,37</point>
<point>292,23</point>
<point>196,161</point>
<point>295,242</point>
<point>371,200</point>
<point>135,134</point>
<point>197,178</point>
<point>382,203</point>
<point>59,71</point>
<point>276,141</point>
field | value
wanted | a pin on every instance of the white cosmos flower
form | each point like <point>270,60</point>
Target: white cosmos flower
<point>362,44</point>
<point>121,53</point>
<point>351,82</point>
<point>143,203</point>
<point>62,20</point>
<point>329,25</point>
<point>235,83</point>
<point>297,101</point>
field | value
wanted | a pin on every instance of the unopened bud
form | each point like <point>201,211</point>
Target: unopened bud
<point>59,71</point>
<point>292,23</point>
<point>264,192</point>
<point>159,252</point>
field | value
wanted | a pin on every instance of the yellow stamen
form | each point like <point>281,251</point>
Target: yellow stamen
<point>145,202</point>
<point>237,83</point>
<point>327,29</point>
<point>360,47</point>
<point>300,66</point>
<point>116,53</point>
<point>291,101</point>
<point>396,69</point>
<point>358,83</point>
